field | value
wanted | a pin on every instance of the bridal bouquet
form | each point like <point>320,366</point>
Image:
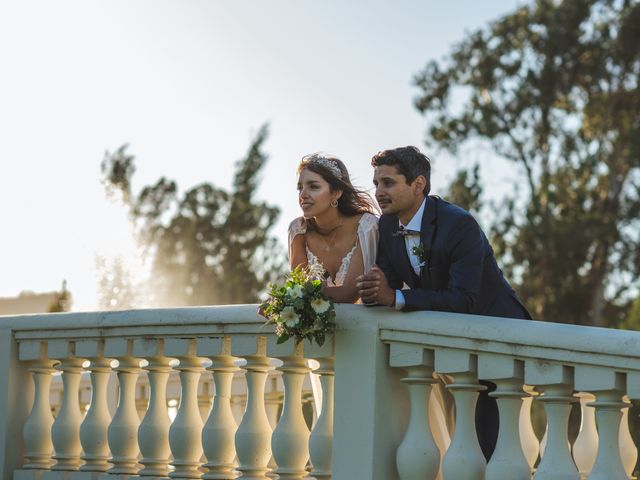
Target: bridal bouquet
<point>299,309</point>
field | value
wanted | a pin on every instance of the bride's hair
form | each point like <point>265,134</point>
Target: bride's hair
<point>353,201</point>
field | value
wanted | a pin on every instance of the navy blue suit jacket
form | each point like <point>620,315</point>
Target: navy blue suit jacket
<point>462,275</point>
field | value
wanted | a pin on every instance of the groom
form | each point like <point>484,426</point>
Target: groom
<point>432,255</point>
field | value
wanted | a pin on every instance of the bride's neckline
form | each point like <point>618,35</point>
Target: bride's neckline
<point>344,263</point>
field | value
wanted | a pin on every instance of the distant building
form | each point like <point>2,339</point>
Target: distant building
<point>27,302</point>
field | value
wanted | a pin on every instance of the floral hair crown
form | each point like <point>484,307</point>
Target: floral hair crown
<point>324,162</point>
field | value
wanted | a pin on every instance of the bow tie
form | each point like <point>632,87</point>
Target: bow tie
<point>403,231</point>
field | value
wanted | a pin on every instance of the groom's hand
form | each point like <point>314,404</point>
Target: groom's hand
<point>374,288</point>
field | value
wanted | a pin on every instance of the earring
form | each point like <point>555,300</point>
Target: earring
<point>334,203</point>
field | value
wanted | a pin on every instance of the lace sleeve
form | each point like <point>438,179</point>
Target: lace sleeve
<point>297,227</point>
<point>368,238</point>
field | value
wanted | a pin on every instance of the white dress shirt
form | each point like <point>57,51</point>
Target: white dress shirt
<point>411,240</point>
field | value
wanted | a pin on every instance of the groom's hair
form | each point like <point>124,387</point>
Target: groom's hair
<point>409,161</point>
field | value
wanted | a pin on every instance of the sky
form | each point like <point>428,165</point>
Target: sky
<point>187,84</point>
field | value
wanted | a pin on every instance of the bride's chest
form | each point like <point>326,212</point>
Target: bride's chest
<point>330,254</point>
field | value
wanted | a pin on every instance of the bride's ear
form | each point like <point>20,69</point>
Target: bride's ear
<point>338,195</point>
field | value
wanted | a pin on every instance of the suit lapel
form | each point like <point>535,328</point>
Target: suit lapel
<point>426,233</point>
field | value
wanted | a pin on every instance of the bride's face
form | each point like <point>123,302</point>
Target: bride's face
<point>314,194</point>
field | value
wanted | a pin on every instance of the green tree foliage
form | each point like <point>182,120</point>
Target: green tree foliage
<point>466,189</point>
<point>207,246</point>
<point>554,88</point>
<point>632,322</point>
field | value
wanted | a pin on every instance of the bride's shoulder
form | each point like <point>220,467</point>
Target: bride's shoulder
<point>298,226</point>
<point>368,221</point>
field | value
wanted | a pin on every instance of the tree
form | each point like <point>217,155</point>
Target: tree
<point>466,189</point>
<point>554,88</point>
<point>208,246</point>
<point>117,288</point>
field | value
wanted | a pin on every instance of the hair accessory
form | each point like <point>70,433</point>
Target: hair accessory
<point>324,162</point>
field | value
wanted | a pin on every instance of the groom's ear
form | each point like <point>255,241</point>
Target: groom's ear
<point>418,184</point>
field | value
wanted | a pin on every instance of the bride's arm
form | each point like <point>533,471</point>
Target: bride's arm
<point>297,252</point>
<point>348,292</point>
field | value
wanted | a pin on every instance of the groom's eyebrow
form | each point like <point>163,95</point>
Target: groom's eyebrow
<point>384,179</point>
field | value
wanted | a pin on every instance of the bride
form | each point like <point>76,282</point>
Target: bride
<point>337,233</point>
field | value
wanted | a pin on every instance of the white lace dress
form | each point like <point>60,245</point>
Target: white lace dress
<point>367,238</point>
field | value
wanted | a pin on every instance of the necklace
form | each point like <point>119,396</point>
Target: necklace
<point>333,231</point>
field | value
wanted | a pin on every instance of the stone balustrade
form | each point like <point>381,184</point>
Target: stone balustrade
<point>379,407</point>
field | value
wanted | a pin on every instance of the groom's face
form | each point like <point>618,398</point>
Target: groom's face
<point>394,195</point>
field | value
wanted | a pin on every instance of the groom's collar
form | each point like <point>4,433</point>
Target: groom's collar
<point>415,224</point>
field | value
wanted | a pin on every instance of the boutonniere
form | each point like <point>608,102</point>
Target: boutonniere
<point>418,251</point>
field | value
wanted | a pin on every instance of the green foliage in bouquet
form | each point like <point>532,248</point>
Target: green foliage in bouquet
<point>299,308</point>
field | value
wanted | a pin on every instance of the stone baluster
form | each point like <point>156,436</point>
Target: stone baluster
<point>253,437</point>
<point>585,448</point>
<point>321,439</point>
<point>609,387</point>
<point>153,433</point>
<point>608,464</point>
<point>528,439</point>
<point>238,405</point>
<point>464,459</point>
<point>508,461</point>
<point>273,400</point>
<point>37,428</point>
<point>205,396</point>
<point>219,432</point>
<point>417,456</point>
<point>65,430</point>
<point>290,439</point>
<point>142,392</point>
<point>273,397</point>
<point>123,430</point>
<point>628,450</point>
<point>556,382</point>
<point>556,455</point>
<point>185,434</point>
<point>94,428</point>
<point>543,442</point>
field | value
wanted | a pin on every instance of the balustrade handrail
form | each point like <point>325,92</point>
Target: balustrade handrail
<point>478,332</point>
<point>218,320</point>
<point>515,337</point>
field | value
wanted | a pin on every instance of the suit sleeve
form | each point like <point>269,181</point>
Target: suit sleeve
<point>465,249</point>
<point>384,263</point>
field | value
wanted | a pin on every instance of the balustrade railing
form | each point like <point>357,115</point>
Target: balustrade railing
<point>382,413</point>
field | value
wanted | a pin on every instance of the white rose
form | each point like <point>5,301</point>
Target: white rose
<point>289,316</point>
<point>295,291</point>
<point>319,305</point>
